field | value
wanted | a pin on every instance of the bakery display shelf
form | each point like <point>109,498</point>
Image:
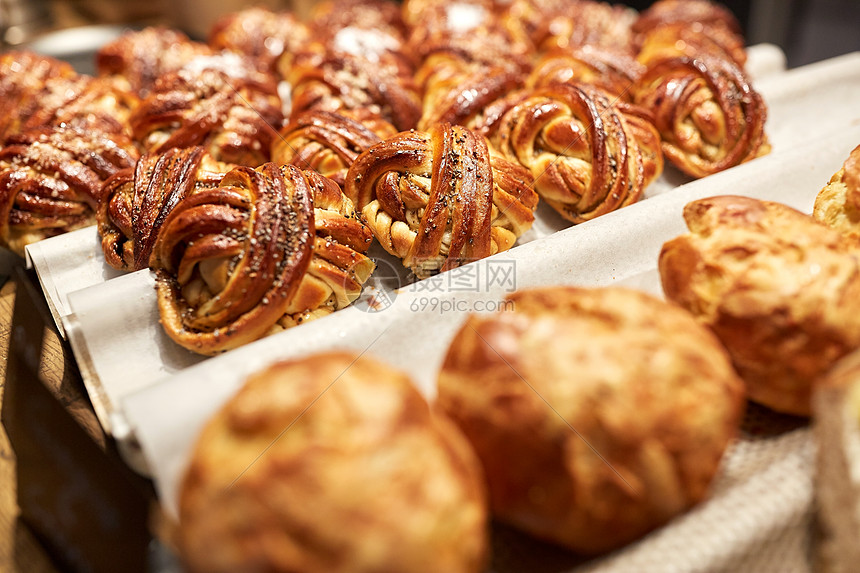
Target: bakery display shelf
<point>153,396</point>
<point>123,351</point>
<point>760,510</point>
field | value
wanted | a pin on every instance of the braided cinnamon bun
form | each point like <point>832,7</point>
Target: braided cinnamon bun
<point>86,103</point>
<point>136,201</point>
<point>253,255</point>
<point>458,92</point>
<point>687,27</point>
<point>472,29</point>
<point>571,24</point>
<point>709,116</point>
<point>141,57</point>
<point>234,117</point>
<point>707,13</point>
<point>359,27</point>
<point>680,39</point>
<point>329,142</point>
<point>22,77</point>
<point>50,181</point>
<point>451,14</point>
<point>337,81</point>
<point>612,71</point>
<point>260,34</point>
<point>587,23</point>
<point>335,15</point>
<point>465,68</point>
<point>441,198</point>
<point>339,266</point>
<point>588,156</point>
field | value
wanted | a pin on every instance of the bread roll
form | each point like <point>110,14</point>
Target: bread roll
<point>264,250</point>
<point>140,57</point>
<point>329,142</point>
<point>442,198</point>
<point>233,114</point>
<point>706,110</point>
<point>332,464</point>
<point>588,155</point>
<point>135,202</point>
<point>598,414</point>
<point>259,34</point>
<point>671,28</point>
<point>838,204</point>
<point>781,291</point>
<point>51,180</point>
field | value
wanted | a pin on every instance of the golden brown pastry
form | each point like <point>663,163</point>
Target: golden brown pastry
<point>458,92</point>
<point>234,117</point>
<point>260,34</point>
<point>686,39</point>
<point>781,292</point>
<point>838,204</point>
<point>452,14</point>
<point>569,24</point>
<point>704,12</point>
<point>442,198</point>
<point>50,181</point>
<point>671,28</point>
<point>588,156</point>
<point>368,28</point>
<point>523,18</point>
<point>101,104</point>
<point>473,29</point>
<point>329,142</point>
<point>598,414</point>
<point>368,479</point>
<point>587,23</point>
<point>135,202</point>
<point>468,58</point>
<point>612,71</point>
<point>142,56</point>
<point>709,116</point>
<point>254,256</point>
<point>335,15</point>
<point>337,81</point>
<point>22,78</point>
<point>340,265</point>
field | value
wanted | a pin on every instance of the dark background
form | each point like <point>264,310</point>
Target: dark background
<point>806,30</point>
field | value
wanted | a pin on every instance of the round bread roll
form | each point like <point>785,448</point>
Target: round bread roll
<point>780,291</point>
<point>598,414</point>
<point>837,205</point>
<point>333,463</point>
